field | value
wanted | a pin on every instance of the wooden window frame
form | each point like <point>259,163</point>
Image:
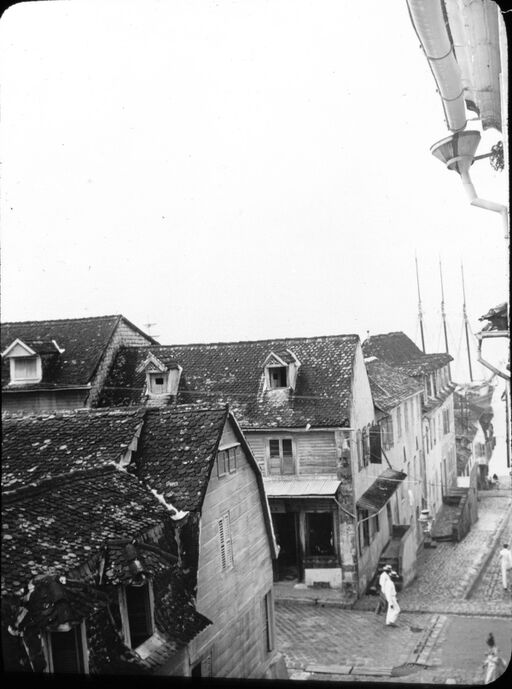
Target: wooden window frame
<point>82,649</point>
<point>14,378</point>
<point>270,386</point>
<point>123,608</point>
<point>152,375</point>
<point>282,456</point>
<point>227,460</point>
<point>225,543</point>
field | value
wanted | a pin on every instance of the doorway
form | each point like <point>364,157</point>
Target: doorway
<point>286,531</point>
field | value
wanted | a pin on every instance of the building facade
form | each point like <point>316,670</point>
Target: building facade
<point>306,408</point>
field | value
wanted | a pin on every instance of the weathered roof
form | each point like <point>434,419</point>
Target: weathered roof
<point>399,351</point>
<point>389,386</point>
<point>59,525</point>
<point>289,488</point>
<point>380,491</point>
<point>177,449</point>
<point>84,341</point>
<point>232,372</point>
<point>38,447</point>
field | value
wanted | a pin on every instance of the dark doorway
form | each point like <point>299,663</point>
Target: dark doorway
<point>285,527</point>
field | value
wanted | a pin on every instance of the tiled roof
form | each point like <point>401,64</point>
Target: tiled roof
<point>36,448</point>
<point>233,373</point>
<point>83,339</point>
<point>398,350</point>
<point>389,386</point>
<point>177,449</point>
<point>60,525</point>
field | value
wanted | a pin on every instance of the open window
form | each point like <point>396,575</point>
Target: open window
<point>66,651</point>
<point>277,376</point>
<point>319,534</point>
<point>137,613</point>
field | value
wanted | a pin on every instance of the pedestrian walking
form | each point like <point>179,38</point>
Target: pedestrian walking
<point>505,564</point>
<point>494,664</point>
<point>389,591</point>
<point>382,604</point>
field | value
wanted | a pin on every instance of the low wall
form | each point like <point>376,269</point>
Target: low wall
<point>407,557</point>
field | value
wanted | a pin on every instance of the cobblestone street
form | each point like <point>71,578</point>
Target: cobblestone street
<point>447,613</point>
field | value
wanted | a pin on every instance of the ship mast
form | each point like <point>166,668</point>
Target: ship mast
<point>465,316</point>
<point>443,312</point>
<point>420,313</point>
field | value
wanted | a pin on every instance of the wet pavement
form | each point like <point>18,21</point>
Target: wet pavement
<point>447,614</point>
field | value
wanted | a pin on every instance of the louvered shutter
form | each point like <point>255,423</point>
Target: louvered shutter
<point>222,545</point>
<point>288,463</point>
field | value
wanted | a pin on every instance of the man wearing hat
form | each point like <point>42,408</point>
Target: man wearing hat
<point>388,589</point>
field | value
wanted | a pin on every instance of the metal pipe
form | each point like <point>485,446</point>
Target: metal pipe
<point>483,203</point>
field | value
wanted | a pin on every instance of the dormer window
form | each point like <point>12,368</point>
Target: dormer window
<point>158,383</point>
<point>281,368</point>
<point>25,369</point>
<point>25,360</point>
<point>277,376</point>
<point>162,378</point>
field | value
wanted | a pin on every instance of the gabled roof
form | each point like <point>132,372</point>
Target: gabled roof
<point>399,351</point>
<point>36,448</point>
<point>60,525</point>
<point>389,386</point>
<point>176,452</point>
<point>84,341</point>
<point>231,373</point>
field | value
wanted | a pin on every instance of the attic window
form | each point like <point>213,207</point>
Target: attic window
<point>277,376</point>
<point>25,368</point>
<point>158,383</point>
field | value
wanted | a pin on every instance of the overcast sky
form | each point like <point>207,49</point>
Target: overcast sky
<point>235,170</point>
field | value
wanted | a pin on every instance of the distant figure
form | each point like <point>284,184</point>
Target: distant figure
<point>505,563</point>
<point>389,591</point>
<point>494,665</point>
<point>384,576</point>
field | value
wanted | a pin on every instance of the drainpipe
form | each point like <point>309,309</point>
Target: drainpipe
<point>483,203</point>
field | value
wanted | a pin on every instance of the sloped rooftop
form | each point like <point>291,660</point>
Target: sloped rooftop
<point>389,386</point>
<point>399,351</point>
<point>39,447</point>
<point>232,373</point>
<point>177,449</point>
<point>84,341</point>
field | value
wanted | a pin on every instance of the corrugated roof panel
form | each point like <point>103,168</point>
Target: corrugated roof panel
<point>282,488</point>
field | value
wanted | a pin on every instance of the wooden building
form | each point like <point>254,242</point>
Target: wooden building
<point>306,408</point>
<point>158,522</point>
<point>60,364</point>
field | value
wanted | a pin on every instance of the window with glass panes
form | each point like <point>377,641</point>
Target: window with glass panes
<point>281,459</point>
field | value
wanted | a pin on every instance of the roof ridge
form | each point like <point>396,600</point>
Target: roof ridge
<point>268,340</point>
<point>61,320</point>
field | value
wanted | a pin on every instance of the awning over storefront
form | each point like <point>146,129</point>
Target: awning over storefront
<point>380,491</point>
<point>303,488</point>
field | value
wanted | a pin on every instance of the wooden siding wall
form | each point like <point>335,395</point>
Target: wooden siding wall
<point>29,402</point>
<point>233,599</point>
<point>315,452</point>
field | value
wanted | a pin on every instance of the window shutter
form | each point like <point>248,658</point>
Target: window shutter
<point>222,545</point>
<point>226,550</point>
<point>375,445</point>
